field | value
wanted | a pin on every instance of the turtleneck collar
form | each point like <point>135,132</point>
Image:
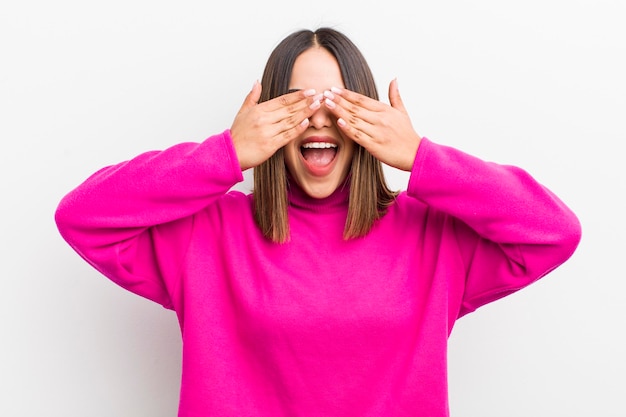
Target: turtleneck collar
<point>338,200</point>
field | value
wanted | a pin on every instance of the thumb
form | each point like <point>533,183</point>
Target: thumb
<point>253,96</point>
<point>394,96</point>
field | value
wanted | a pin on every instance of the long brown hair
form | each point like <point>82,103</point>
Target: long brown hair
<point>369,194</point>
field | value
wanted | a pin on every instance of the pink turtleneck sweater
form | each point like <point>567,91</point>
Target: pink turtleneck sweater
<point>318,326</point>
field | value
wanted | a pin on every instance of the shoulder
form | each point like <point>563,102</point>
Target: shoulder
<point>409,212</point>
<point>405,203</point>
<point>234,202</point>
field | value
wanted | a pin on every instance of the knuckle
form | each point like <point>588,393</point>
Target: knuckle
<point>290,121</point>
<point>353,108</point>
<point>288,135</point>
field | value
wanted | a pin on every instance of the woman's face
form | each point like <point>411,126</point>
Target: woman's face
<point>320,159</point>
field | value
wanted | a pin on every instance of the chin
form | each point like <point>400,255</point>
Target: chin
<point>320,189</point>
<point>319,193</point>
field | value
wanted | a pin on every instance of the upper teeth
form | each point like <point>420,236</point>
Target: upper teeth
<point>319,145</point>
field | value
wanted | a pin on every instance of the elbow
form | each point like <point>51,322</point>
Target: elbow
<point>556,244</point>
<point>66,219</point>
<point>63,216</point>
<point>563,243</point>
<point>569,237</point>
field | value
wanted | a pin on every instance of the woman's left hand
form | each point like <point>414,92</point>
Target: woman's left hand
<point>384,130</point>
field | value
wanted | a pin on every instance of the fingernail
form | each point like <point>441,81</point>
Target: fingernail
<point>329,95</point>
<point>309,93</point>
<point>305,122</point>
<point>336,90</point>
<point>331,104</point>
<point>341,122</point>
<point>315,105</point>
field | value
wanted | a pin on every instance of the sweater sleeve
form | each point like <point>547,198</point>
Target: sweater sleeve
<point>510,229</point>
<point>132,221</point>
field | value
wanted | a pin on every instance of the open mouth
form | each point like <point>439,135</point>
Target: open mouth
<point>319,154</point>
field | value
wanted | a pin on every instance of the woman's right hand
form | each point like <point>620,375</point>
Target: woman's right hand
<point>259,130</point>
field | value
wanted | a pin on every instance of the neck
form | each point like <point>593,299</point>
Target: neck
<point>337,200</point>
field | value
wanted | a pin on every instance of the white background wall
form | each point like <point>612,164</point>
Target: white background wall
<point>539,83</point>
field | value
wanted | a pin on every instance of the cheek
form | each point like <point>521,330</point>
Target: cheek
<point>291,157</point>
<point>349,149</point>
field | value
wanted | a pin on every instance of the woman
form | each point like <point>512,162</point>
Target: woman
<point>322,292</point>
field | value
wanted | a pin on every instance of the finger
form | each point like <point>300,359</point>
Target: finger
<point>350,123</point>
<point>287,125</point>
<point>394,96</point>
<point>293,101</point>
<point>288,115</point>
<point>287,111</point>
<point>353,107</point>
<point>356,117</point>
<point>281,115</point>
<point>286,133</point>
<point>357,135</point>
<point>355,99</point>
<point>295,124</point>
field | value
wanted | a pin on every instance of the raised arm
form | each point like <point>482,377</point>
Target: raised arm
<point>511,230</point>
<point>114,217</point>
<point>131,221</point>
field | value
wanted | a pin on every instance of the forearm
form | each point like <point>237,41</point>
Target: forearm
<point>120,201</point>
<point>510,229</point>
<point>501,203</point>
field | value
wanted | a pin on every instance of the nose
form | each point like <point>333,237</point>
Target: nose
<point>321,118</point>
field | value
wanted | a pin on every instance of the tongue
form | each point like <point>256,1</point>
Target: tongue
<point>319,157</point>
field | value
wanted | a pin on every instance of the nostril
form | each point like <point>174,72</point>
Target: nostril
<point>321,118</point>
